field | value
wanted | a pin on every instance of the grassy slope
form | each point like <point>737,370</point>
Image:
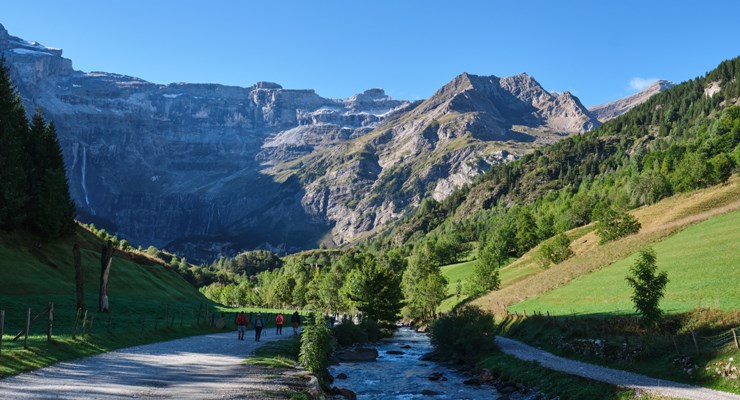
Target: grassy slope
<point>701,261</point>
<point>32,274</point>
<point>454,273</point>
<point>659,221</point>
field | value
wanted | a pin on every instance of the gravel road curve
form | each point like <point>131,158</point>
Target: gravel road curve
<point>638,382</point>
<point>199,367</point>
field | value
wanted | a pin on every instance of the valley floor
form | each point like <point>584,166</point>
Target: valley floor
<point>200,367</point>
<point>641,383</point>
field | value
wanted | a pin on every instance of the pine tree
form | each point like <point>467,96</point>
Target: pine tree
<point>35,168</point>
<point>55,208</point>
<point>13,135</point>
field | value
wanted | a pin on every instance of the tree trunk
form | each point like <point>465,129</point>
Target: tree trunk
<point>106,257</point>
<point>79,277</point>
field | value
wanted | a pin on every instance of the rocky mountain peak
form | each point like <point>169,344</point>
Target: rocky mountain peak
<point>3,32</point>
<point>607,111</point>
<point>660,85</point>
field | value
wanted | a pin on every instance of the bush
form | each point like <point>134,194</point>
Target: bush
<point>555,250</point>
<point>371,329</point>
<point>348,333</point>
<point>616,225</point>
<point>466,336</point>
<point>315,345</point>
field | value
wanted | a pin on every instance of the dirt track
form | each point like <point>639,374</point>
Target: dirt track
<point>200,367</point>
<point>638,382</point>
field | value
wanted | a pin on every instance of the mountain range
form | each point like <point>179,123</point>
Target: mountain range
<point>207,169</point>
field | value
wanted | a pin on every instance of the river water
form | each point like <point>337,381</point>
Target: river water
<point>404,376</point>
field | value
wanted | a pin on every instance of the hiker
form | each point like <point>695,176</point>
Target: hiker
<point>279,324</point>
<point>241,325</point>
<point>295,319</point>
<point>258,325</point>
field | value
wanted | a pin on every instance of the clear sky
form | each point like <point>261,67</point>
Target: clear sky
<point>598,50</point>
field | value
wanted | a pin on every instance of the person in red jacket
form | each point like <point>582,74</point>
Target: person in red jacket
<point>279,323</point>
<point>241,325</point>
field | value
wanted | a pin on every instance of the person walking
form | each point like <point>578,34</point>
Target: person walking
<point>279,323</point>
<point>241,325</point>
<point>258,325</point>
<point>295,319</point>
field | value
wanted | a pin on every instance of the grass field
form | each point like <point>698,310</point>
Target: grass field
<point>454,273</point>
<point>659,222</point>
<point>149,302</point>
<point>702,262</point>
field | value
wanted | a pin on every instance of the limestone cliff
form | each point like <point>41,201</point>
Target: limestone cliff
<point>207,169</point>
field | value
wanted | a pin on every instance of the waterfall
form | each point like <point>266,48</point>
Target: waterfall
<point>84,173</point>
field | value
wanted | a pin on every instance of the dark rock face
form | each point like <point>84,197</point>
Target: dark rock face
<point>207,170</point>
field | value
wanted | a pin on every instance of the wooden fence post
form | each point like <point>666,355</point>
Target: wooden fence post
<point>50,323</point>
<point>77,321</point>
<point>2,329</point>
<point>84,323</point>
<point>734,336</point>
<point>28,327</point>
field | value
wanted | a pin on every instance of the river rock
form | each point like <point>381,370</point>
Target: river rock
<point>342,376</point>
<point>358,354</point>
<point>427,392</point>
<point>346,393</point>
<point>405,346</point>
<point>507,388</point>
<point>431,356</point>
<point>395,352</point>
<point>486,376</point>
<point>472,382</point>
<point>435,376</point>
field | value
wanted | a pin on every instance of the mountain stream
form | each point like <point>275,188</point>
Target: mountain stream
<point>404,376</point>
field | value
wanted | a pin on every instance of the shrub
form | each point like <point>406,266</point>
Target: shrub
<point>371,329</point>
<point>555,250</point>
<point>466,336</point>
<point>616,225</point>
<point>348,333</point>
<point>315,345</point>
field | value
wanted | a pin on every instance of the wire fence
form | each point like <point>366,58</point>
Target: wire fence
<point>22,327</point>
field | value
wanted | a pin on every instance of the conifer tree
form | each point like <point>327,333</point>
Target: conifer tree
<point>13,134</point>
<point>55,208</point>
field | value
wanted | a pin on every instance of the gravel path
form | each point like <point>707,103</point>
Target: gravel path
<point>616,377</point>
<point>199,367</point>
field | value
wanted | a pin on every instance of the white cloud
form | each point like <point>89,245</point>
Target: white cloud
<point>638,83</point>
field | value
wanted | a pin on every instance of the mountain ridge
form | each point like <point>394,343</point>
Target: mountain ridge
<point>613,109</point>
<point>209,169</point>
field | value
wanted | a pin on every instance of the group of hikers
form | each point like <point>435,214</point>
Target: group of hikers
<point>242,321</point>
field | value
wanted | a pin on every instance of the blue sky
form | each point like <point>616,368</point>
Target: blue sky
<point>598,50</point>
